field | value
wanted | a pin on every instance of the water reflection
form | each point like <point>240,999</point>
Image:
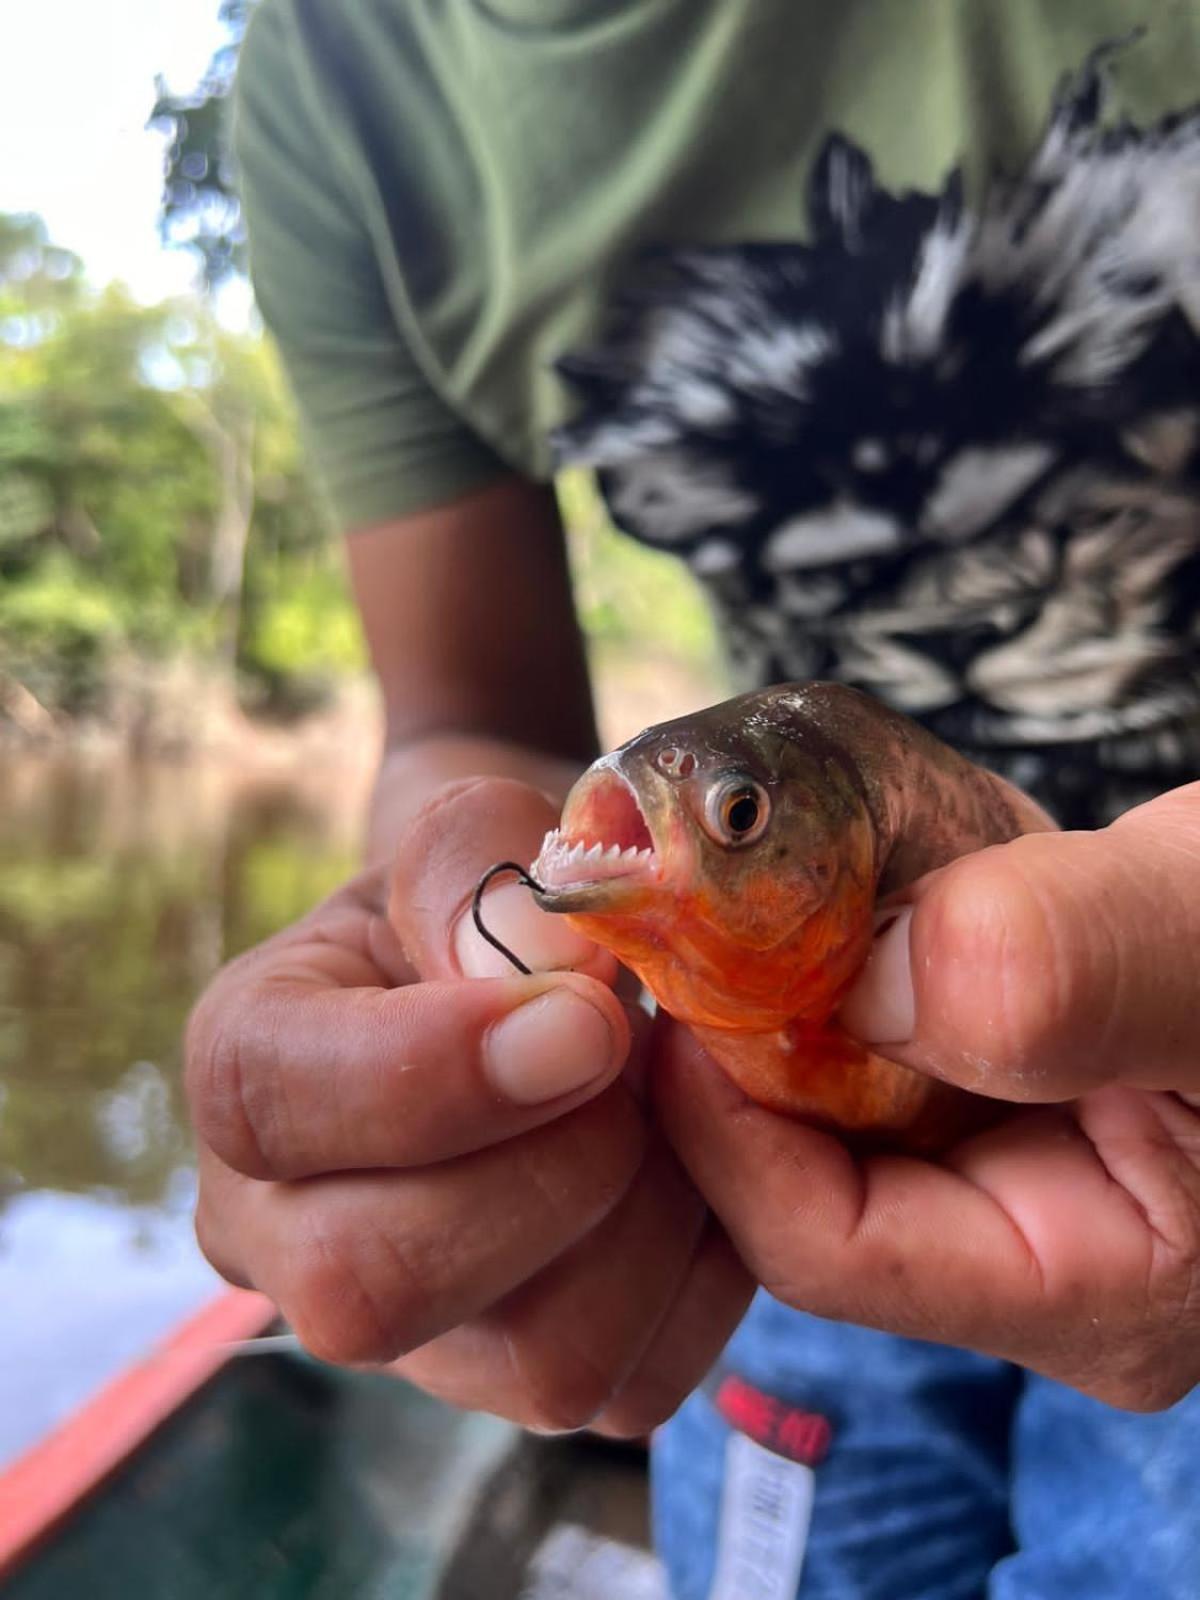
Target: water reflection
<point>122,887</point>
<point>87,1284</point>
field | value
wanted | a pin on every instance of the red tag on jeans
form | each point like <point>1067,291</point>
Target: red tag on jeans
<point>789,1431</point>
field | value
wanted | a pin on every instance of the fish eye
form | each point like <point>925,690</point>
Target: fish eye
<point>736,810</point>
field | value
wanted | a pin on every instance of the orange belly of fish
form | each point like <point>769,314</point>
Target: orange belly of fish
<point>825,1077</point>
<point>803,1067</point>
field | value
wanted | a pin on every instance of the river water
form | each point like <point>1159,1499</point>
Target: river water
<point>123,886</point>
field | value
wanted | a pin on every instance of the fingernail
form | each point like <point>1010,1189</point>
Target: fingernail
<point>548,1047</point>
<point>542,940</point>
<point>881,1008</point>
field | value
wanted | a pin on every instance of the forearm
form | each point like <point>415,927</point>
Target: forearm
<point>468,615</point>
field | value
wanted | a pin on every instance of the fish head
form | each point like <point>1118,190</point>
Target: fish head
<point>727,857</point>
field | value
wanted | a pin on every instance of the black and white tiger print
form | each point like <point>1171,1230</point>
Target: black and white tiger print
<point>948,452</point>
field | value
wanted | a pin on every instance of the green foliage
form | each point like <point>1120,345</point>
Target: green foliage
<point>306,625</point>
<point>152,493</point>
<point>200,207</point>
<point>58,630</point>
<point>628,594</point>
<point>26,506</point>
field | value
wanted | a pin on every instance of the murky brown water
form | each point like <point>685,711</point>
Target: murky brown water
<point>122,887</point>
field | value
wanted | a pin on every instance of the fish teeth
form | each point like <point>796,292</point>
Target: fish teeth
<point>561,858</point>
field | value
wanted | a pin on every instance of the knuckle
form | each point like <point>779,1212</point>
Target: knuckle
<point>231,1093</point>
<point>338,1314</point>
<point>212,1239</point>
<point>365,1293</point>
<point>1151,1367</point>
<point>488,798</point>
<point>1143,1386</point>
<point>1005,977</point>
<point>641,1408</point>
<point>570,1401</point>
<point>574,1390</point>
<point>564,1382</point>
<point>588,1161</point>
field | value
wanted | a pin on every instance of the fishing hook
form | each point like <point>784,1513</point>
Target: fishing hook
<point>527,882</point>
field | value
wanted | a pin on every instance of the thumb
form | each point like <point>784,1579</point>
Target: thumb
<point>1041,968</point>
<point>462,830</point>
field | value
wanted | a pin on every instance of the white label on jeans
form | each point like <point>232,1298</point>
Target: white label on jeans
<point>766,1507</point>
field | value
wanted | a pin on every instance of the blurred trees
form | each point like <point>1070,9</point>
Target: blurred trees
<point>140,449</point>
<point>200,207</point>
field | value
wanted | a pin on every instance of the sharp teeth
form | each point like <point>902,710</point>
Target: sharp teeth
<point>568,859</point>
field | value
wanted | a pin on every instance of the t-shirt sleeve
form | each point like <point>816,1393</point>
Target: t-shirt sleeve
<point>384,442</point>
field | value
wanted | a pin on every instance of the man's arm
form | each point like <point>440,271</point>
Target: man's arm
<point>472,632</point>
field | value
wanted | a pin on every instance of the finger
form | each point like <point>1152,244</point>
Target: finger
<point>555,1353</point>
<point>367,1266</point>
<point>713,1300</point>
<point>291,1076</point>
<point>618,1284</point>
<point>465,829</point>
<point>1011,1247</point>
<point>484,1365</point>
<point>1042,968</point>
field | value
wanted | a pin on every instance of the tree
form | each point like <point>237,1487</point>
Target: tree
<point>200,207</point>
<point>153,494</point>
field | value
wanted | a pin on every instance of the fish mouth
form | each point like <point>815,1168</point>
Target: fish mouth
<point>602,848</point>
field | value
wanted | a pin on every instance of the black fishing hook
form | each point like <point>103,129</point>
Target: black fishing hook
<point>526,882</point>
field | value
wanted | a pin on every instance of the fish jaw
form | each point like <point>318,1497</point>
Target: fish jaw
<point>605,855</point>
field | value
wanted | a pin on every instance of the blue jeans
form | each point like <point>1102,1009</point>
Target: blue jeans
<point>950,1476</point>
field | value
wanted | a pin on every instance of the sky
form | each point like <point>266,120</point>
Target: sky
<point>76,87</point>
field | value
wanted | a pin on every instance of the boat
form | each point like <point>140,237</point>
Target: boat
<point>226,1464</point>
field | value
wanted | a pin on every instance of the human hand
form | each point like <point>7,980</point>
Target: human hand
<point>455,1177</point>
<point>1058,972</point>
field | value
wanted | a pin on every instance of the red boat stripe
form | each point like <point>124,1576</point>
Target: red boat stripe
<point>48,1482</point>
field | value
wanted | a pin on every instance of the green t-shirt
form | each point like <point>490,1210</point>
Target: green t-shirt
<point>441,194</point>
<point>882,314</point>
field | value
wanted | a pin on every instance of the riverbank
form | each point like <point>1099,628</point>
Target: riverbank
<point>184,710</point>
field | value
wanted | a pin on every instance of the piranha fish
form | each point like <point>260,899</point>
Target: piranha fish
<point>733,859</point>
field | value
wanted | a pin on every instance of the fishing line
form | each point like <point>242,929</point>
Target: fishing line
<point>526,882</point>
